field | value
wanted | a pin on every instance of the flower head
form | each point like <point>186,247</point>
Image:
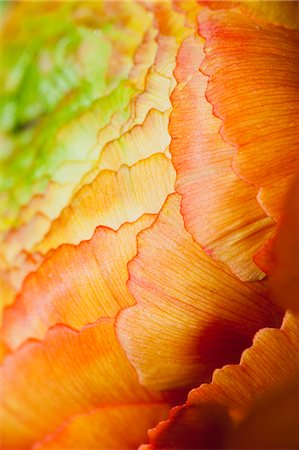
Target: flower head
<point>149,242</point>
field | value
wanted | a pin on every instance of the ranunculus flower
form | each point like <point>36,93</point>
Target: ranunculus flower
<point>149,225</point>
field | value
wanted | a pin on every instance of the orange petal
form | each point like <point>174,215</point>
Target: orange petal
<point>272,361</point>
<point>276,12</point>
<point>192,315</point>
<point>272,425</point>
<point>260,117</point>
<point>285,280</point>
<point>75,285</point>
<point>46,383</point>
<point>90,132</point>
<point>219,209</point>
<point>139,143</point>
<point>120,427</point>
<point>49,203</point>
<point>112,199</point>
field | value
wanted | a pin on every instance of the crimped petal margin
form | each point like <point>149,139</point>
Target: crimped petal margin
<point>219,209</point>
<point>214,410</point>
<point>260,117</point>
<point>75,285</point>
<point>192,315</point>
<point>46,383</point>
<point>112,199</point>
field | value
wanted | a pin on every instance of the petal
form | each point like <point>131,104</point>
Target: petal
<point>83,139</point>
<point>24,237</point>
<point>190,9</point>
<point>139,143</point>
<point>285,280</point>
<point>160,80</point>
<point>7,292</point>
<point>192,427</point>
<point>192,315</point>
<point>219,209</point>
<point>68,373</point>
<point>22,266</point>
<point>78,139</point>
<point>260,117</point>
<point>120,427</point>
<point>272,361</point>
<point>272,425</point>
<point>273,11</point>
<point>112,199</point>
<point>75,284</point>
<point>4,350</point>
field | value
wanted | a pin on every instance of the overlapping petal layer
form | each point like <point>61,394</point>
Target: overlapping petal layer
<point>60,146</point>
<point>260,117</point>
<point>219,209</point>
<point>108,166</point>
<point>107,428</point>
<point>46,383</point>
<point>128,149</point>
<point>75,284</point>
<point>127,125</point>
<point>265,122</point>
<point>191,315</point>
<point>139,143</point>
<point>276,12</point>
<point>213,410</point>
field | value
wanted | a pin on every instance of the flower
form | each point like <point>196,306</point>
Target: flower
<point>149,150</point>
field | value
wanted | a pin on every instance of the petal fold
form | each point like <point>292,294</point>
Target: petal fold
<point>192,315</point>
